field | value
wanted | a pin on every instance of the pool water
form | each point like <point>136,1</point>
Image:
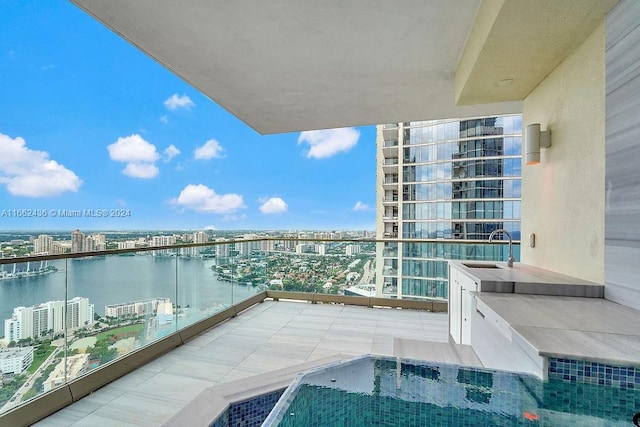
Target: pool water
<point>380,391</point>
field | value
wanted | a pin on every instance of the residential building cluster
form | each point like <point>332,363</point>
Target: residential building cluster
<point>87,243</point>
<point>78,241</point>
<point>137,308</point>
<point>47,319</point>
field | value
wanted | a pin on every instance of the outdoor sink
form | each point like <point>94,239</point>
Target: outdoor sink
<point>472,265</point>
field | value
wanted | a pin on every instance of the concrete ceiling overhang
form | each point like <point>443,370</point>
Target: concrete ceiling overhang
<point>288,65</point>
<point>515,44</point>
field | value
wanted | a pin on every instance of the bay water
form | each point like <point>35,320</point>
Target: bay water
<point>116,279</point>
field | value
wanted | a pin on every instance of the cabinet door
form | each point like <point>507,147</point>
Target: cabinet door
<point>467,305</point>
<point>455,308</point>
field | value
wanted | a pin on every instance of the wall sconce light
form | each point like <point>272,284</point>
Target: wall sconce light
<point>534,140</point>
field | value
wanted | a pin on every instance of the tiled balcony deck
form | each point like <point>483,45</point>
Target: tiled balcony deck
<point>266,337</point>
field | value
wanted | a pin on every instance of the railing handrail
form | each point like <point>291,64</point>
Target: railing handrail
<point>72,255</point>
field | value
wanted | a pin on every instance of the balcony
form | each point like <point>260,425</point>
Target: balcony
<point>390,200</point>
<point>390,132</point>
<point>389,271</point>
<point>390,181</point>
<point>228,329</point>
<point>390,253</point>
<point>390,149</point>
<point>275,336</point>
<point>126,307</point>
<point>390,165</point>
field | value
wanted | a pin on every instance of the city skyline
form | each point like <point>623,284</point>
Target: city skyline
<point>111,131</point>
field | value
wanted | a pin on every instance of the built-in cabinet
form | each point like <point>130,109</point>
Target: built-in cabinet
<point>461,305</point>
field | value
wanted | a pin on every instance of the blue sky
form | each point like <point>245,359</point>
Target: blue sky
<point>88,121</point>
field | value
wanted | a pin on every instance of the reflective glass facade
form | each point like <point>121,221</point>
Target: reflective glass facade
<point>447,181</point>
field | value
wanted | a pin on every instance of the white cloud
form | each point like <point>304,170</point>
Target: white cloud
<point>174,102</point>
<point>164,119</point>
<point>359,206</point>
<point>210,227</point>
<point>209,150</point>
<point>203,199</point>
<point>30,173</point>
<point>141,170</point>
<point>170,152</point>
<point>139,155</point>
<point>328,142</point>
<point>133,149</point>
<point>273,205</point>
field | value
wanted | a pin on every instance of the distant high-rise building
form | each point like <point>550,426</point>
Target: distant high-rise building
<point>31,322</point>
<point>222,250</point>
<point>447,184</point>
<point>95,242</point>
<point>43,244</point>
<point>135,308</point>
<point>164,312</point>
<point>352,250</point>
<point>77,241</point>
<point>267,245</point>
<point>127,244</point>
<point>163,240</point>
<point>61,247</point>
<point>200,237</point>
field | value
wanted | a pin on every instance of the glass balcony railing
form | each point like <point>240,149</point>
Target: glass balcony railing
<point>66,316</point>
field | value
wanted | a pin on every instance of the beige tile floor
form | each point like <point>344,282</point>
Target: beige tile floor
<point>266,337</point>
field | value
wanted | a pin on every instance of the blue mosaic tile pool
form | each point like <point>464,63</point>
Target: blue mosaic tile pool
<point>249,413</point>
<point>625,377</point>
<point>380,391</point>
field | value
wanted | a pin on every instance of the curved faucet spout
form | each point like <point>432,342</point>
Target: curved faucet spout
<point>502,230</point>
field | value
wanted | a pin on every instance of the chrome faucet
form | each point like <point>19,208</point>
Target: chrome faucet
<point>502,230</point>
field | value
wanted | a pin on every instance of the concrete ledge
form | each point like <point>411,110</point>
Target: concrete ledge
<point>441,352</point>
<point>212,321</point>
<point>48,403</point>
<point>212,402</point>
<point>208,323</point>
<point>250,302</point>
<point>426,305</point>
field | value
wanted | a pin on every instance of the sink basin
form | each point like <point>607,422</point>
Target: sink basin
<point>472,265</point>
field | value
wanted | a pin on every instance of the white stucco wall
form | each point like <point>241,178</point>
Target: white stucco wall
<point>563,197</point>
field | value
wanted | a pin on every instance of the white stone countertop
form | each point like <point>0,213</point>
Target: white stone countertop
<point>593,329</point>
<point>526,279</point>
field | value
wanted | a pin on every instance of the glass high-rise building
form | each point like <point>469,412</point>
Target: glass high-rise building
<point>442,187</point>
